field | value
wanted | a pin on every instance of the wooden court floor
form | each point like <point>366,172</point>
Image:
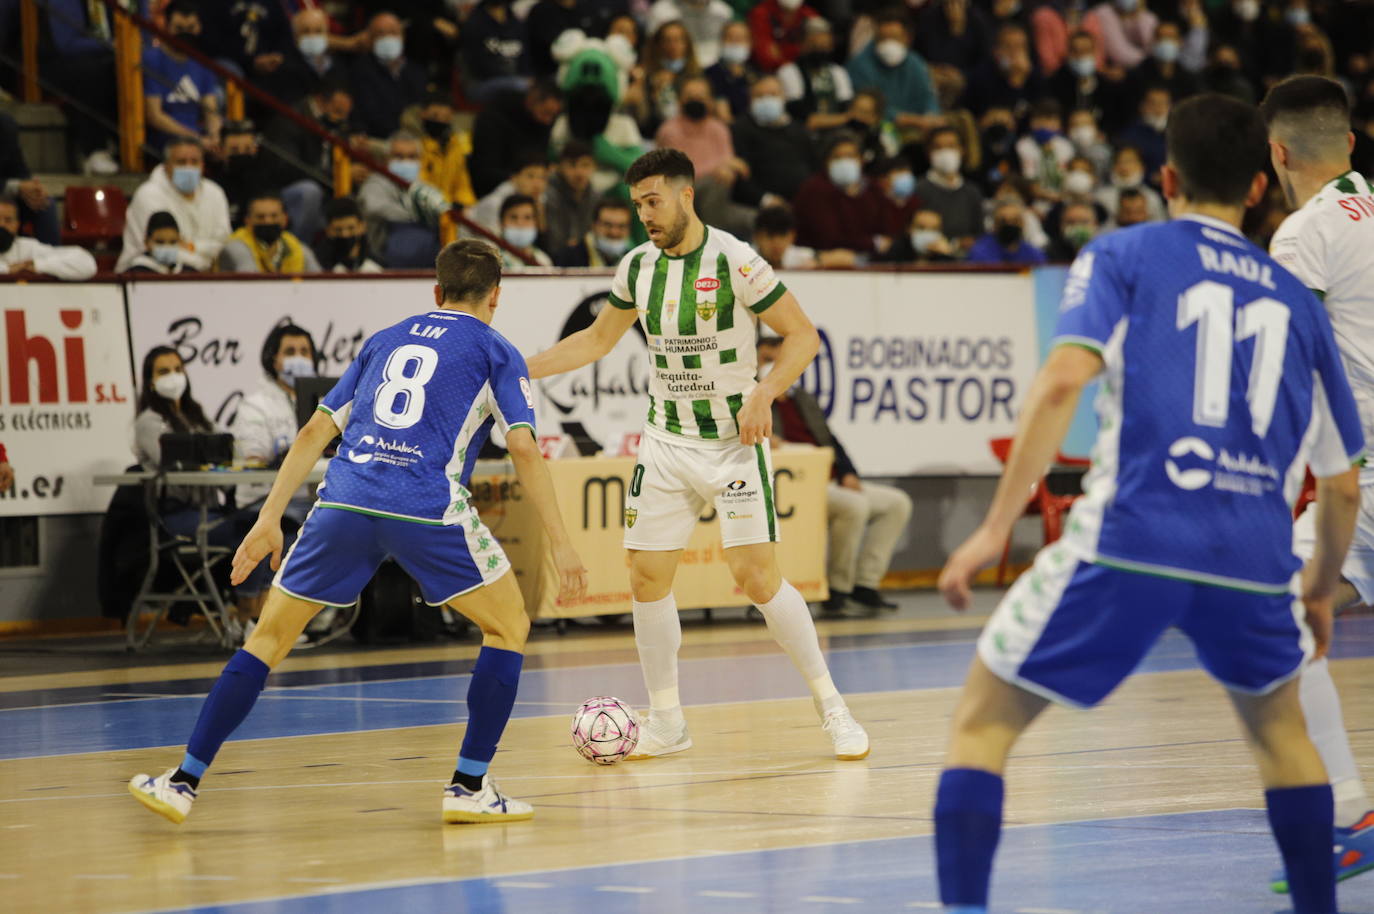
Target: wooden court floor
<point>331,819</point>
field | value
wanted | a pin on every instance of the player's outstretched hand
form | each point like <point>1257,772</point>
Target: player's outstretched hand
<point>263,539</point>
<point>755,420</point>
<point>956,579</point>
<point>572,574</point>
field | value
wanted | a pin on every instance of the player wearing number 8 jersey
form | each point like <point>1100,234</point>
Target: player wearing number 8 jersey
<point>1221,381</point>
<point>700,293</point>
<point>1328,244</point>
<point>414,409</point>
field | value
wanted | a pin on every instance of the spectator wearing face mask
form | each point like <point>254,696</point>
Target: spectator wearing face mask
<point>494,51</point>
<point>304,161</point>
<point>1077,226</point>
<point>569,201</point>
<point>889,65</point>
<point>1078,188</point>
<point>607,241</point>
<point>779,31</point>
<point>944,190</point>
<point>1127,28</point>
<point>1128,174</point>
<point>1267,44</point>
<point>1131,209</point>
<point>1165,65</point>
<point>706,140</point>
<point>444,149</point>
<point>892,187</point>
<point>1006,242</point>
<point>1017,189</point>
<point>834,209</point>
<point>402,220</point>
<point>248,173</point>
<point>732,74</point>
<point>198,204</point>
<point>181,98</point>
<point>344,246</point>
<point>779,151</point>
<point>1089,141</point>
<point>520,228</point>
<point>1008,77</point>
<point>530,178</point>
<point>922,241</point>
<point>817,90</point>
<point>702,20</point>
<point>1045,151</point>
<point>1226,76</point>
<point>20,255</point>
<point>775,236</point>
<point>264,245</point>
<point>669,58</point>
<point>1147,132</point>
<point>162,252</point>
<point>308,61</point>
<point>1082,83</point>
<point>384,82</point>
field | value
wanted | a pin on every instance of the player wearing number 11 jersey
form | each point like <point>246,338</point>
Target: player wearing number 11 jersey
<point>1221,382</point>
<point>414,409</point>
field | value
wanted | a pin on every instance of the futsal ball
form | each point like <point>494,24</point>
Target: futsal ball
<point>604,730</point>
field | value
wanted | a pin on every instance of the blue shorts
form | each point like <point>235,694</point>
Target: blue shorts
<point>1072,631</point>
<point>337,552</point>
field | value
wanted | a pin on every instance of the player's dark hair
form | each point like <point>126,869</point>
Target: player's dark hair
<point>1217,144</point>
<point>663,162</point>
<point>574,150</point>
<point>606,203</point>
<point>272,345</point>
<point>774,220</point>
<point>513,201</point>
<point>159,220</point>
<point>190,417</point>
<point>1310,115</point>
<point>467,270</point>
<point>1303,95</point>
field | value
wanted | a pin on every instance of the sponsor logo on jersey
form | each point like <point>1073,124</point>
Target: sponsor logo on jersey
<point>744,269</point>
<point>707,284</point>
<point>631,515</point>
<point>737,485</point>
<point>1242,474</point>
<point>731,515</point>
<point>525,389</point>
<point>706,310</point>
<point>1195,478</point>
<point>398,453</point>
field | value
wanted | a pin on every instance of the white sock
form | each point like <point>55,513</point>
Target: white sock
<point>658,635</point>
<point>790,623</point>
<point>1322,708</point>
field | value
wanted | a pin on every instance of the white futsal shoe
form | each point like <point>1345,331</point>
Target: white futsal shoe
<point>661,736</point>
<point>850,739</point>
<point>169,800</point>
<point>486,805</point>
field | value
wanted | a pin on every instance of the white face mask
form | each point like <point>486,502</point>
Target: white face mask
<point>1132,179</point>
<point>946,161</point>
<point>166,254</point>
<point>171,385</point>
<point>296,366</point>
<point>790,5</point>
<point>890,51</point>
<point>1156,121</point>
<point>1247,10</point>
<point>1083,135</point>
<point>1078,183</point>
<point>734,53</point>
<point>520,236</point>
<point>923,239</point>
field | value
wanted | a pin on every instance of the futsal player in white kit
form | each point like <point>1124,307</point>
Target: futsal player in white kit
<point>700,294</point>
<point>1328,244</point>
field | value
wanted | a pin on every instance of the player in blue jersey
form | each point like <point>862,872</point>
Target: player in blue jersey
<point>414,409</point>
<point>1221,381</point>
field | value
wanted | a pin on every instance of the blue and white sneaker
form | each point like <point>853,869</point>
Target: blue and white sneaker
<point>486,805</point>
<point>170,800</point>
<point>1354,850</point>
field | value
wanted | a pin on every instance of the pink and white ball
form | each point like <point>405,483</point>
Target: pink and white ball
<point>604,730</point>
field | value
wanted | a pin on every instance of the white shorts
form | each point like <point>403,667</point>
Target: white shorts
<point>673,483</point>
<point>1358,568</point>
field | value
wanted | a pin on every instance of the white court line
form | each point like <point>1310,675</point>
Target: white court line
<point>1047,911</point>
<point>926,905</point>
<point>507,884</point>
<point>10,876</point>
<point>315,880</point>
<point>100,876</point>
<point>627,889</point>
<point>722,893</point>
<point>831,899</point>
<point>195,878</point>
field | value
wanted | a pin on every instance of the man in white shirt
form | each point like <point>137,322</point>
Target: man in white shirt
<point>28,255</point>
<point>179,186</point>
<point>1328,243</point>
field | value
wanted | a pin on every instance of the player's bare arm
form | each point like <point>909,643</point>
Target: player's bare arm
<point>800,341</point>
<point>1338,507</point>
<point>265,537</point>
<point>584,346</point>
<point>1044,422</point>
<point>534,476</point>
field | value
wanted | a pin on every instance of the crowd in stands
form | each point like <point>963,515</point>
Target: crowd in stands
<point>833,133</point>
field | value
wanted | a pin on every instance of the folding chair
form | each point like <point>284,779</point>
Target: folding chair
<point>1041,501</point>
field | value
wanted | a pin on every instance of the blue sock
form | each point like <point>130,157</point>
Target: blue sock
<point>491,696</point>
<point>968,822</point>
<point>1302,821</point>
<point>225,707</point>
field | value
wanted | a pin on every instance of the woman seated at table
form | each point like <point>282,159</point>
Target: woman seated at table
<point>264,427</point>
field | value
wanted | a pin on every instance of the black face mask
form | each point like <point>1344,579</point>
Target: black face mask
<point>857,126</point>
<point>333,126</point>
<point>267,234</point>
<point>190,38</point>
<point>240,163</point>
<point>813,60</point>
<point>342,248</point>
<point>694,110</point>
<point>437,130</point>
<point>6,240</point>
<point>1008,235</point>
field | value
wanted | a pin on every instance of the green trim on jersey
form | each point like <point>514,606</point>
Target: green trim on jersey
<point>1345,185</point>
<point>687,301</point>
<point>736,403</point>
<point>326,410</point>
<point>691,361</point>
<point>653,318</point>
<point>1194,577</point>
<point>1082,342</point>
<point>671,421</point>
<point>768,300</point>
<point>1321,295</point>
<point>725,295</point>
<point>619,302</point>
<point>660,361</point>
<point>386,514</point>
<point>653,410</point>
<point>768,508</point>
<point>705,233</point>
<point>701,410</point>
<point>727,356</point>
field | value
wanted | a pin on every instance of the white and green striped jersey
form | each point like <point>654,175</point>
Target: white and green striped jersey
<point>700,314</point>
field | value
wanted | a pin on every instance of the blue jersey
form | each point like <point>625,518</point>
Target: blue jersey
<point>415,408</point>
<point>1222,383</point>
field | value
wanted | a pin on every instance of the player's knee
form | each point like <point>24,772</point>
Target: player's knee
<point>512,630</point>
<point>646,586</point>
<point>759,583</point>
<point>269,644</point>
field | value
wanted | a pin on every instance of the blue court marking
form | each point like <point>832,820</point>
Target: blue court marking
<point>1185,863</point>
<point>140,723</point>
